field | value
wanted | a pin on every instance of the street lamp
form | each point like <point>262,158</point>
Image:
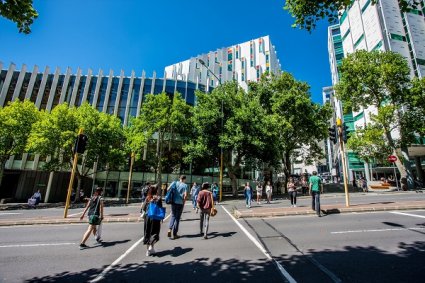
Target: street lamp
<point>222,116</point>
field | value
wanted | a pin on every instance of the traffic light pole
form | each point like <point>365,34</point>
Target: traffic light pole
<point>71,181</point>
<point>344,163</point>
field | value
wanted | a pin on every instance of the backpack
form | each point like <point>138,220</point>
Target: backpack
<point>169,197</point>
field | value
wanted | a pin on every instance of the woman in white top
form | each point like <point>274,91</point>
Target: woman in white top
<point>292,192</point>
<point>269,192</point>
<point>259,192</point>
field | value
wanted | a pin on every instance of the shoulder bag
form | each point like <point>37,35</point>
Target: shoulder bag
<point>95,219</point>
<point>155,211</point>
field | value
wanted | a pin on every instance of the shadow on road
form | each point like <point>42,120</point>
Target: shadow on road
<point>113,243</point>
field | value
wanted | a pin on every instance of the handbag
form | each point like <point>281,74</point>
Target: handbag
<point>213,209</point>
<point>155,211</point>
<point>95,219</point>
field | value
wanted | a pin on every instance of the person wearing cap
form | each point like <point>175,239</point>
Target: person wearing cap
<point>177,205</point>
<point>94,207</point>
<point>205,204</point>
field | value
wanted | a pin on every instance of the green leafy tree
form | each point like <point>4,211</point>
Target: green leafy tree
<point>164,117</point>
<point>21,12</point>
<point>240,131</point>
<point>381,80</point>
<point>308,12</point>
<point>297,123</point>
<point>16,120</point>
<point>54,136</point>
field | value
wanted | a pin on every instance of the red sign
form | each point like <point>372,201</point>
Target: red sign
<point>392,158</point>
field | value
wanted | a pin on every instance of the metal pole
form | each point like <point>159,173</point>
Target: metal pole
<point>71,181</point>
<point>344,165</point>
<point>129,177</point>
<point>221,155</point>
<point>395,175</point>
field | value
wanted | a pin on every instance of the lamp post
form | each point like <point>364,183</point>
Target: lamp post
<point>222,117</point>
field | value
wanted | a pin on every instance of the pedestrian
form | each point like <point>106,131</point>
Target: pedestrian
<point>215,191</point>
<point>259,190</point>
<point>194,194</point>
<point>248,194</point>
<point>364,184</point>
<point>316,188</point>
<point>177,205</point>
<point>292,191</point>
<point>205,203</point>
<point>81,195</point>
<point>37,197</point>
<point>95,213</point>
<point>152,227</point>
<point>269,190</point>
<point>304,185</point>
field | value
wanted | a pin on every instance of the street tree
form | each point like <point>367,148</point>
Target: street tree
<point>298,124</point>
<point>21,12</point>
<point>16,120</point>
<point>231,120</point>
<point>308,12</point>
<point>163,117</point>
<point>381,81</point>
<point>54,136</point>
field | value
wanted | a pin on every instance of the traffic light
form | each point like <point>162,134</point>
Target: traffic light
<point>345,132</point>
<point>333,134</point>
<point>80,143</point>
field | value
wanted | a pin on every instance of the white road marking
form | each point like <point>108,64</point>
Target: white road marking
<point>107,269</point>
<point>407,214</point>
<point>75,214</point>
<point>262,249</point>
<point>10,213</point>
<point>377,230</point>
<point>36,245</point>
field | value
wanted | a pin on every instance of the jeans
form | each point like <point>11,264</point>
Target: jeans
<point>194,201</point>
<point>176,213</point>
<point>248,199</point>
<point>293,197</point>
<point>205,221</point>
<point>315,201</point>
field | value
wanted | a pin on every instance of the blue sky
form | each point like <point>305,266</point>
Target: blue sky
<point>149,35</point>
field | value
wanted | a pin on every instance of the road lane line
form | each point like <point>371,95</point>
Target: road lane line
<point>407,214</point>
<point>75,214</point>
<point>376,230</point>
<point>262,249</point>
<point>36,245</point>
<point>9,213</point>
<point>107,269</point>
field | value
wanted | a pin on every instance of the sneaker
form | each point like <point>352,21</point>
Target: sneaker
<point>169,234</point>
<point>99,240</point>
<point>205,237</point>
<point>197,210</point>
<point>295,205</point>
<point>151,250</point>
<point>83,246</point>
<point>148,253</point>
<point>175,237</point>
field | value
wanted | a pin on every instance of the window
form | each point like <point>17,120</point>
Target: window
<point>377,46</point>
<point>358,41</point>
<point>365,6</point>
<point>398,37</point>
<point>346,34</point>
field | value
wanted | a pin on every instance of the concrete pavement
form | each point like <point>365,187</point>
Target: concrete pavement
<point>330,204</point>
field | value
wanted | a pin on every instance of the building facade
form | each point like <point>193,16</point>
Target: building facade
<point>242,62</point>
<point>364,26</point>
<point>119,95</point>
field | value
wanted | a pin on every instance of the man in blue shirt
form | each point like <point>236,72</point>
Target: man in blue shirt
<point>177,205</point>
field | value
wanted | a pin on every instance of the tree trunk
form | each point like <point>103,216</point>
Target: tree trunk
<point>286,161</point>
<point>49,187</point>
<point>159,163</point>
<point>2,166</point>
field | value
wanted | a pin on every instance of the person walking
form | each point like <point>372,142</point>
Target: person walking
<point>292,191</point>
<point>95,214</point>
<point>259,190</point>
<point>205,204</point>
<point>248,194</point>
<point>316,188</point>
<point>194,194</point>
<point>269,190</point>
<point>177,205</point>
<point>151,227</point>
<point>215,191</point>
<point>304,185</point>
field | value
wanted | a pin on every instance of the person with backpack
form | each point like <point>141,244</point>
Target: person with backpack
<point>95,214</point>
<point>152,227</point>
<point>179,192</point>
<point>205,204</point>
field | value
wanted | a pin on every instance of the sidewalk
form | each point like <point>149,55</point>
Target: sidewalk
<point>331,204</point>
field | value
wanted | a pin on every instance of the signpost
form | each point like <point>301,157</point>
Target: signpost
<point>392,158</point>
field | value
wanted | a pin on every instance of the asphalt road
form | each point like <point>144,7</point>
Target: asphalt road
<point>357,247</point>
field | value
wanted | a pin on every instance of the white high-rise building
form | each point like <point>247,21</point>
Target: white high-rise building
<point>242,62</point>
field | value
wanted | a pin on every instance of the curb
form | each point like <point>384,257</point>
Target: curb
<point>327,211</point>
<point>64,221</point>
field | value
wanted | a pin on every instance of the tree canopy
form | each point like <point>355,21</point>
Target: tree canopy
<point>21,12</point>
<point>308,12</point>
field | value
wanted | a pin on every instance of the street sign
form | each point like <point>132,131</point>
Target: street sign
<point>392,158</point>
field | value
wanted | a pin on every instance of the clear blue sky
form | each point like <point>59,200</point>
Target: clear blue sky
<point>149,35</point>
